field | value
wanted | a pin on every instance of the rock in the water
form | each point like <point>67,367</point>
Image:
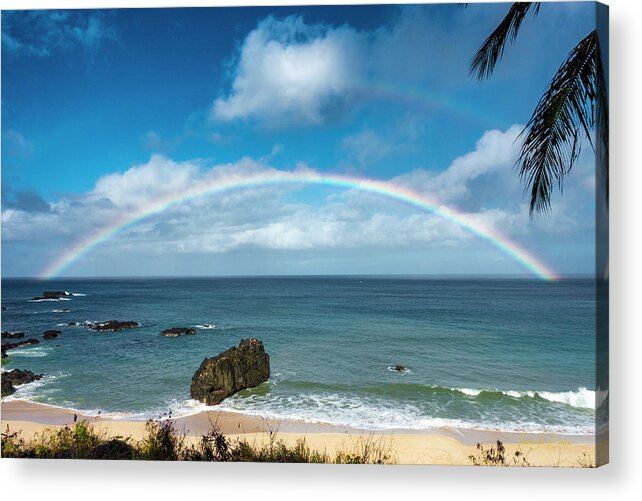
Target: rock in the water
<point>16,377</point>
<point>230,372</point>
<point>51,334</point>
<point>11,346</point>
<point>113,326</point>
<point>12,335</point>
<point>400,368</point>
<point>51,295</point>
<point>178,331</point>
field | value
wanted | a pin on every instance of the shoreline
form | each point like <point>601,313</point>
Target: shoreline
<point>431,446</point>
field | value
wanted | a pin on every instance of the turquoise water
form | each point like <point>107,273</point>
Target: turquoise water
<point>508,354</point>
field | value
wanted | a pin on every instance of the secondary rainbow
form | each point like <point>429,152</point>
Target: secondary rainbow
<point>383,188</point>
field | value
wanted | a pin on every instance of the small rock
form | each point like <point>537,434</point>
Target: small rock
<point>112,326</point>
<point>51,334</point>
<point>12,335</point>
<point>178,331</point>
<point>400,368</point>
<point>51,295</point>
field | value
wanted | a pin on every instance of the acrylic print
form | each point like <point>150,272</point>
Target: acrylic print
<point>338,234</point>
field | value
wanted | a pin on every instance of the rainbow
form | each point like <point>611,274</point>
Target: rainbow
<point>383,188</point>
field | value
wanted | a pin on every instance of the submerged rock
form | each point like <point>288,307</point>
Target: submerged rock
<point>12,335</point>
<point>51,295</point>
<point>230,372</point>
<point>16,377</point>
<point>399,368</point>
<point>112,326</point>
<point>178,331</point>
<point>51,334</point>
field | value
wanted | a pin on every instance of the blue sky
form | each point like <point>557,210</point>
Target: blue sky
<point>106,110</point>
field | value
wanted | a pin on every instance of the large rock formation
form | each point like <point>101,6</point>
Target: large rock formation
<point>178,331</point>
<point>230,372</point>
<point>17,377</point>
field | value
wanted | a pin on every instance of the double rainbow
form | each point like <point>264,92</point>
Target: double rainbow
<point>386,189</point>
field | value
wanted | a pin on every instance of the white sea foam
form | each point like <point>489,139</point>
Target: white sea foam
<point>205,326</point>
<point>77,294</point>
<point>581,398</point>
<point>64,310</point>
<point>31,391</point>
<point>341,410</point>
<point>36,352</point>
<point>468,391</point>
<point>49,299</point>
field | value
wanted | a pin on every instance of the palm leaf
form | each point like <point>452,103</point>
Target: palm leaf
<point>492,49</point>
<point>564,114</point>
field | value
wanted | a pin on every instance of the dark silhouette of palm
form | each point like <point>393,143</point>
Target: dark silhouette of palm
<point>573,105</point>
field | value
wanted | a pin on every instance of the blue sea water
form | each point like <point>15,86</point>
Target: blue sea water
<point>504,354</point>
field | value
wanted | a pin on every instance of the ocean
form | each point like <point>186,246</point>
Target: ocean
<point>481,353</point>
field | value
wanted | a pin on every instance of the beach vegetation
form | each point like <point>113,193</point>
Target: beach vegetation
<point>496,456</point>
<point>162,442</point>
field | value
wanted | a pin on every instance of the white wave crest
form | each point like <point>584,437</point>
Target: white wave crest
<point>581,398</point>
<point>37,352</point>
<point>468,391</point>
<point>205,326</point>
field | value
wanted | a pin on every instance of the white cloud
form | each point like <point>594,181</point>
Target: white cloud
<point>495,151</point>
<point>143,183</point>
<point>290,72</point>
<point>279,218</point>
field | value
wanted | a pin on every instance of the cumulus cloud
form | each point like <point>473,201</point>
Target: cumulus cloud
<point>143,183</point>
<point>289,72</point>
<point>496,150</point>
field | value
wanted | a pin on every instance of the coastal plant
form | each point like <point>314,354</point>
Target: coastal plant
<point>496,456</point>
<point>586,461</point>
<point>75,442</point>
<point>161,442</point>
<point>367,450</point>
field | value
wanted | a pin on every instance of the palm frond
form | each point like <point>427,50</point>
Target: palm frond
<point>564,115</point>
<point>602,116</point>
<point>492,49</point>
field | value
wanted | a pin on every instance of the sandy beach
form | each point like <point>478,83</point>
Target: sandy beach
<point>445,446</point>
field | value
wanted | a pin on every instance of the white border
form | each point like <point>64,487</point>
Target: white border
<point>71,480</point>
